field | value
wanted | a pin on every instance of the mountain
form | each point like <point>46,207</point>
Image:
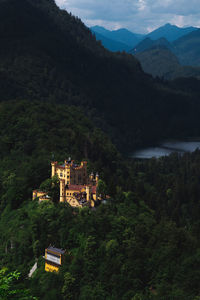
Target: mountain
<point>121,35</point>
<point>158,61</point>
<point>161,62</point>
<point>170,60</point>
<point>50,56</point>
<point>187,48</point>
<point>124,36</point>
<point>110,44</point>
<point>148,43</point>
<point>170,32</point>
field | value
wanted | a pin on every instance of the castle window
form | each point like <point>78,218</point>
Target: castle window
<point>67,182</point>
<point>67,176</point>
<point>61,174</point>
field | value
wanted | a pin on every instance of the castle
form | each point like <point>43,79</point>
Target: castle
<point>76,187</point>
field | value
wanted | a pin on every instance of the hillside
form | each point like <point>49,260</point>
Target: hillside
<point>148,43</point>
<point>160,61</point>
<point>120,35</point>
<point>33,134</point>
<point>170,60</point>
<point>122,249</point>
<point>187,49</point>
<point>110,44</point>
<point>48,55</point>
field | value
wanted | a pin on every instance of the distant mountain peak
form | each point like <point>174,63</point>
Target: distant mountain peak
<point>170,32</point>
<point>121,35</point>
<point>169,25</point>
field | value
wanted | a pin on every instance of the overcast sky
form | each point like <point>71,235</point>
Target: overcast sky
<point>139,16</point>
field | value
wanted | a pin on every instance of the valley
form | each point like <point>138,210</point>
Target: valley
<point>167,147</point>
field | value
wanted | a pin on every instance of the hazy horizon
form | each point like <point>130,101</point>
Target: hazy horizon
<point>140,16</point>
<point>142,33</point>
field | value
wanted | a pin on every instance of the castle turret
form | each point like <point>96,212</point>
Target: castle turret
<point>91,176</point>
<point>97,178</point>
<point>88,193</point>
<point>53,168</point>
<point>84,163</point>
<point>62,190</point>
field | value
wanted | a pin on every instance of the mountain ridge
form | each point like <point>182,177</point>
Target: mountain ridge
<point>170,32</point>
<point>120,35</point>
<point>167,31</point>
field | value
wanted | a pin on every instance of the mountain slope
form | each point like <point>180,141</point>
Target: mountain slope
<point>170,32</point>
<point>158,61</point>
<point>187,48</point>
<point>110,44</point>
<point>121,35</point>
<point>48,55</point>
<point>161,62</point>
<point>148,43</point>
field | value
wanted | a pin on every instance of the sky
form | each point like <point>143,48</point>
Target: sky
<point>139,16</point>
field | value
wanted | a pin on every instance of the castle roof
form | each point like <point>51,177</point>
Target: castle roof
<point>53,249</point>
<point>74,187</point>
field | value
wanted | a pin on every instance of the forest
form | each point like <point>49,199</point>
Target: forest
<point>142,244</point>
<point>62,94</point>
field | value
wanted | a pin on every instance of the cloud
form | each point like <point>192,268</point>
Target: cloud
<point>136,15</point>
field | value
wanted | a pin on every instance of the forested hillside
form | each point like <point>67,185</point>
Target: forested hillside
<point>160,61</point>
<point>142,244</point>
<point>170,60</point>
<point>48,55</point>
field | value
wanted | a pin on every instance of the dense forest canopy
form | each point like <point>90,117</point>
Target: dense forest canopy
<point>62,94</point>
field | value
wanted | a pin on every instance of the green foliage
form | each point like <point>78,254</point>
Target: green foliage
<point>9,287</point>
<point>102,189</point>
<point>68,289</point>
<point>52,187</point>
<point>26,151</point>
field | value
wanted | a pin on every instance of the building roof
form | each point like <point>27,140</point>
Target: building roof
<point>53,249</point>
<point>94,189</point>
<point>74,187</point>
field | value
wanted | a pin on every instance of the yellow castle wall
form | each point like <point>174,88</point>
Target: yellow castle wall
<point>51,268</point>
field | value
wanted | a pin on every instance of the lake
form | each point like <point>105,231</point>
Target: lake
<point>167,147</point>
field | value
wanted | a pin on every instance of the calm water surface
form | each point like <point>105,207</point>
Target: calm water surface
<point>167,147</point>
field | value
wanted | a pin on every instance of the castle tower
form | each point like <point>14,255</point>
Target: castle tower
<point>97,178</point>
<point>91,177</point>
<point>62,190</point>
<point>53,168</point>
<point>88,193</point>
